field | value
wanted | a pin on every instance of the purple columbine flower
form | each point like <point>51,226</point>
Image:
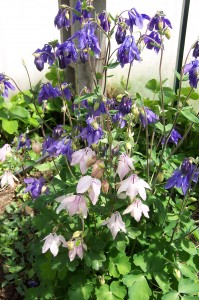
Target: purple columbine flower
<point>48,91</point>
<point>35,186</point>
<point>174,137</point>
<point>135,19</point>
<point>42,56</point>
<point>87,40</point>
<point>62,18</point>
<point>24,142</point>
<point>5,85</point>
<point>66,91</point>
<point>118,117</point>
<point>85,14</point>
<point>183,176</point>
<point>66,54</point>
<point>125,105</point>
<point>128,51</point>
<point>120,33</point>
<point>92,132</point>
<point>57,147</point>
<point>159,22</point>
<point>58,131</point>
<point>104,21</point>
<point>196,50</point>
<point>153,41</point>
<point>147,116</point>
<point>100,110</point>
<point>193,69</point>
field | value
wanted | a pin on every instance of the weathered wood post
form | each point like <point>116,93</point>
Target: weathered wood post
<point>81,73</point>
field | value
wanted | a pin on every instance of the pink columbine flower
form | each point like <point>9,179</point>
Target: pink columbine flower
<point>92,185</point>
<point>115,224</point>
<point>133,186</point>
<point>76,247</point>
<point>125,164</point>
<point>84,158</point>
<point>74,204</point>
<point>8,178</point>
<point>52,242</point>
<point>4,152</point>
<point>136,209</point>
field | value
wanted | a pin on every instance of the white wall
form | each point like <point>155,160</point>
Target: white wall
<point>148,68</point>
<point>25,26</point>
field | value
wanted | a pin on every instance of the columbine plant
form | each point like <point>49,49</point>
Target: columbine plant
<point>113,214</point>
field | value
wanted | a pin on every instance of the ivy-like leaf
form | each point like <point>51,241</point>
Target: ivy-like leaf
<point>173,295</point>
<point>115,292</point>
<point>119,265</point>
<point>139,290</point>
<point>10,126</point>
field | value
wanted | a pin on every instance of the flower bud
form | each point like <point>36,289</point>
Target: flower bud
<point>160,25</point>
<point>102,280</point>
<point>105,186</point>
<point>67,15</point>
<point>43,189</point>
<point>36,147</point>
<point>70,245</point>
<point>167,33</point>
<point>135,111</point>
<point>98,169</point>
<point>128,146</point>
<point>160,177</point>
<point>177,274</point>
<point>91,161</point>
<point>95,125</point>
<point>76,234</point>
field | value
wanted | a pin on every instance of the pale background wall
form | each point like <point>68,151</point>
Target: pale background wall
<point>27,24</point>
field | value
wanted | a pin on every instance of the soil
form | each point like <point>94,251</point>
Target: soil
<point>8,292</point>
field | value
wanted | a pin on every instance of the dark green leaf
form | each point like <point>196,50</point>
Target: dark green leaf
<point>190,116</point>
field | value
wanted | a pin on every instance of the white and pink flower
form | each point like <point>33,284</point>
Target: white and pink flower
<point>136,209</point>
<point>132,186</point>
<point>90,185</point>
<point>74,204</point>
<point>76,247</point>
<point>125,164</point>
<point>52,242</point>
<point>115,224</point>
<point>5,152</point>
<point>83,157</point>
<point>8,179</point>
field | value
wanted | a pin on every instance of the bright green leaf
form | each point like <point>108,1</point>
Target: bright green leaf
<point>119,265</point>
<point>190,116</point>
<point>18,112</point>
<point>188,286</point>
<point>10,126</point>
<point>140,290</point>
<point>173,295</point>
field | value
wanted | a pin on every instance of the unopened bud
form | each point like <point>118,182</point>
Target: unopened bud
<point>36,147</point>
<point>70,245</point>
<point>177,273</point>
<point>128,146</point>
<point>102,280</point>
<point>160,177</point>
<point>135,111</point>
<point>167,33</point>
<point>160,25</point>
<point>91,161</point>
<point>67,15</point>
<point>95,125</point>
<point>98,169</point>
<point>43,189</point>
<point>76,234</point>
<point>105,186</point>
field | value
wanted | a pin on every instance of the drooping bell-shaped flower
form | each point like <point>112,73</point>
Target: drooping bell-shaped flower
<point>42,56</point>
<point>48,91</point>
<point>76,248</point>
<point>147,116</point>
<point>5,151</point>
<point>52,243</point>
<point>193,69</point>
<point>115,224</point>
<point>104,21</point>
<point>183,176</point>
<point>120,33</point>
<point>66,54</point>
<point>125,105</point>
<point>196,50</point>
<point>74,204</point>
<point>92,132</point>
<point>35,186</point>
<point>136,209</point>
<point>84,157</point>
<point>174,137</point>
<point>125,164</point>
<point>8,179</point>
<point>24,141</point>
<point>135,19</point>
<point>159,22</point>
<point>90,185</point>
<point>5,85</point>
<point>153,41</point>
<point>132,186</point>
<point>128,51</point>
<point>62,18</point>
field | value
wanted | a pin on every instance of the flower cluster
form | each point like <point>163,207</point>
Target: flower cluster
<point>5,85</point>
